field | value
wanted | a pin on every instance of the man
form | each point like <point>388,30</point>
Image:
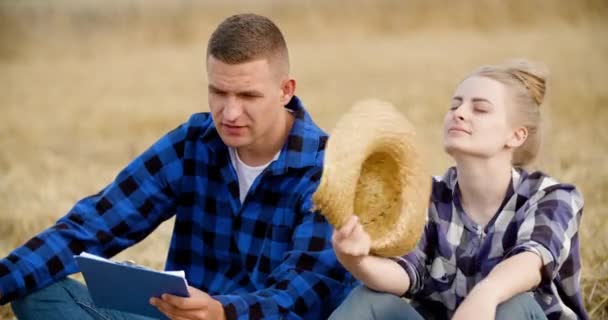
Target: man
<point>239,181</point>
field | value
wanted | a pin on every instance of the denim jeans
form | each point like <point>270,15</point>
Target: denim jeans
<point>65,300</point>
<point>363,303</point>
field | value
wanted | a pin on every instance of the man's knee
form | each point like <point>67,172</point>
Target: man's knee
<point>59,292</point>
<point>521,306</point>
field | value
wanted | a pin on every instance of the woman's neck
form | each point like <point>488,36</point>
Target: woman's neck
<point>483,185</point>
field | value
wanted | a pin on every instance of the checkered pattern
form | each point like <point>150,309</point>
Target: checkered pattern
<point>538,215</point>
<point>269,257</point>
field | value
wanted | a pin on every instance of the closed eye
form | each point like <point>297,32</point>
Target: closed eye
<point>250,95</point>
<point>456,102</point>
<point>216,91</point>
<point>482,106</point>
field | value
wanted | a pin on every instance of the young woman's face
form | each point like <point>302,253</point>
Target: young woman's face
<point>477,123</point>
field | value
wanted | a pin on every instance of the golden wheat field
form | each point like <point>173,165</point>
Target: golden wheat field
<point>86,86</point>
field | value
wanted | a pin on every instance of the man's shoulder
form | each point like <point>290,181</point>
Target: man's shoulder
<point>200,121</point>
<point>197,126</point>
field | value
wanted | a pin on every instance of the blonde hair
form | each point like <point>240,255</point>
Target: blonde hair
<point>527,84</point>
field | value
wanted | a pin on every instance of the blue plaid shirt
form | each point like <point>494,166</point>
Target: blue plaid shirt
<point>269,257</point>
<point>538,214</point>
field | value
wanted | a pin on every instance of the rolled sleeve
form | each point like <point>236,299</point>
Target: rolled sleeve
<point>549,227</point>
<point>414,263</point>
<point>413,272</point>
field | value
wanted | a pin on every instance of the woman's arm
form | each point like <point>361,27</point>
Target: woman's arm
<point>501,285</point>
<point>544,243</point>
<point>352,246</point>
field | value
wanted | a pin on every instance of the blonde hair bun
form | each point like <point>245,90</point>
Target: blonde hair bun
<point>533,76</point>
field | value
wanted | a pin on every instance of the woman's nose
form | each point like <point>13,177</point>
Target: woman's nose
<point>459,113</point>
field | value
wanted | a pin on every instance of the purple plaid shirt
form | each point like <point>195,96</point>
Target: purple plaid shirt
<point>538,214</point>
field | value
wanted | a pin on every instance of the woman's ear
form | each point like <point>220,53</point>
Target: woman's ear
<point>518,137</point>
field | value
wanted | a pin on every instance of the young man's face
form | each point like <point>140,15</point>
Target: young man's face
<point>246,101</point>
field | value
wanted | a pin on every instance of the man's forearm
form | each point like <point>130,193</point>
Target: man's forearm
<point>517,274</point>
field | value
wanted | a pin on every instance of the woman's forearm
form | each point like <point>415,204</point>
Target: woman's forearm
<point>380,274</point>
<point>517,274</point>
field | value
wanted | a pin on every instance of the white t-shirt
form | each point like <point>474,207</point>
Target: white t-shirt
<point>246,174</point>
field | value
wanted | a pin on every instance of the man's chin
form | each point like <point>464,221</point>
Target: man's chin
<point>234,142</point>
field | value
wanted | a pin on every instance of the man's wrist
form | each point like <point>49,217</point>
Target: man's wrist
<point>220,310</point>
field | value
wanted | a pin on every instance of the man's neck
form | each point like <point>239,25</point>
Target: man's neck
<point>483,185</point>
<point>264,151</point>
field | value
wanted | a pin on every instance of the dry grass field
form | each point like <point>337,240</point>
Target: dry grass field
<point>85,87</point>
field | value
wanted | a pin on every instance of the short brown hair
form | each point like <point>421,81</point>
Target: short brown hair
<point>246,37</point>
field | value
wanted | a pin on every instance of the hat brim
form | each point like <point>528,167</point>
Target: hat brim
<point>374,169</point>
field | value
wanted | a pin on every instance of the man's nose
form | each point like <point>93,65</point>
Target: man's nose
<point>232,109</point>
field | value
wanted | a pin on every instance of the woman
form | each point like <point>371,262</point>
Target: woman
<point>500,242</point>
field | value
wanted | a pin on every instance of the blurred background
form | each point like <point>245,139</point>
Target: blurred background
<point>85,86</point>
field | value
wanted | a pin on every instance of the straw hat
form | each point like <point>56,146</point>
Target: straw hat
<point>373,169</point>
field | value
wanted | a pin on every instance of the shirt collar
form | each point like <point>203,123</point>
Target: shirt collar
<point>505,205</point>
<point>451,177</point>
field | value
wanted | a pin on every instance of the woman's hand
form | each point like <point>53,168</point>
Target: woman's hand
<point>476,306</point>
<point>351,242</point>
<point>352,246</point>
<point>480,303</point>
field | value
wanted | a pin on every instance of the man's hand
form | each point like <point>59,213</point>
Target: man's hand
<point>199,306</point>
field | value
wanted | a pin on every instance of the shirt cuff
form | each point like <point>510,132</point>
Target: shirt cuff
<point>411,273</point>
<point>235,307</point>
<point>10,287</point>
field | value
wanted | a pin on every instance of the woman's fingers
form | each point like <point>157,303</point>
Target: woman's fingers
<point>351,239</point>
<point>348,227</point>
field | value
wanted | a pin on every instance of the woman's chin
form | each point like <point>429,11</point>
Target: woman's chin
<point>453,149</point>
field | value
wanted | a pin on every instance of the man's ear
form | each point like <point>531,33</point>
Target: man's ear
<point>518,137</point>
<point>288,89</point>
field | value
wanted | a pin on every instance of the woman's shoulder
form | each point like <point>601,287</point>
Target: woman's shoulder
<point>538,186</point>
<point>443,186</point>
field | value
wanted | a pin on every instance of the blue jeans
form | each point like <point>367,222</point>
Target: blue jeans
<point>65,300</point>
<point>363,303</point>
